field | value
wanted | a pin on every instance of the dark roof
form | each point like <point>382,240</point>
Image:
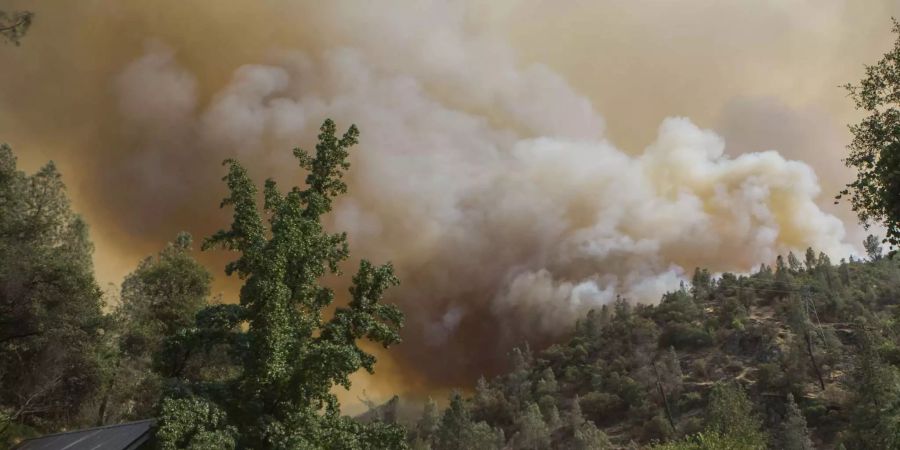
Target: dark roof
<point>125,436</point>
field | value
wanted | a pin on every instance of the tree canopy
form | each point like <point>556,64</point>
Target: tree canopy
<point>275,392</point>
<point>875,149</point>
<point>158,299</point>
<point>50,305</point>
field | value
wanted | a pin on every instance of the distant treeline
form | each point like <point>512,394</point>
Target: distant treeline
<point>805,354</point>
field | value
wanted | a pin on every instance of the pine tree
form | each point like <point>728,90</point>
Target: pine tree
<point>794,263</point>
<point>875,416</point>
<point>590,326</point>
<point>701,283</point>
<point>673,364</point>
<point>576,417</point>
<point>764,272</point>
<point>454,423</point>
<point>518,381</point>
<point>585,435</point>
<point>810,259</point>
<point>844,271</point>
<point>429,421</point>
<point>875,149</point>
<point>780,265</point>
<point>794,434</point>
<point>730,413</point>
<point>457,430</point>
<point>158,299</point>
<point>533,432</point>
<point>589,437</point>
<point>782,276</point>
<point>605,315</point>
<point>51,320</point>
<point>546,390</point>
<point>873,247</point>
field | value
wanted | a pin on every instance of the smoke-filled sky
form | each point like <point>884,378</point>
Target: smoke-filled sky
<point>521,161</point>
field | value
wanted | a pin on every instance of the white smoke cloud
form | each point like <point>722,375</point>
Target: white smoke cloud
<point>158,94</point>
<point>487,183</point>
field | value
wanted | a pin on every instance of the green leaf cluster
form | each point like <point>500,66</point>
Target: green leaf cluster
<point>284,357</point>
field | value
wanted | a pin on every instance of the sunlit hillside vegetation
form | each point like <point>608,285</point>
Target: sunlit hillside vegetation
<point>798,355</point>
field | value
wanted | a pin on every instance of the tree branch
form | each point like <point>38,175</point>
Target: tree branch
<point>22,21</point>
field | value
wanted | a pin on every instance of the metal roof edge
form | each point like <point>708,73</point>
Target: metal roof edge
<point>82,430</point>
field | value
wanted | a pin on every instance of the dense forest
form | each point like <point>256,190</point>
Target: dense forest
<point>796,356</point>
<point>802,353</point>
<point>257,373</point>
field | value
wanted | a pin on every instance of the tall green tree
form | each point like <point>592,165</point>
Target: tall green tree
<point>158,299</point>
<point>584,434</point>
<point>875,415</point>
<point>286,356</point>
<point>875,149</point>
<point>731,424</point>
<point>811,260</point>
<point>794,434</point>
<point>730,413</point>
<point>164,293</point>
<point>457,430</point>
<point>794,263</point>
<point>427,425</point>
<point>50,304</point>
<point>873,247</point>
<point>701,284</point>
<point>533,432</point>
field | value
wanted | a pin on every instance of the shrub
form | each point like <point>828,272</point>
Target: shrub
<point>602,407</point>
<point>685,337</point>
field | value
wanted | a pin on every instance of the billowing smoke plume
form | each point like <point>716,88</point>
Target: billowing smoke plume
<point>489,185</point>
<point>488,182</point>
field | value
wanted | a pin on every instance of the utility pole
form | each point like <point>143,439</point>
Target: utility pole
<point>665,398</point>
<point>809,345</point>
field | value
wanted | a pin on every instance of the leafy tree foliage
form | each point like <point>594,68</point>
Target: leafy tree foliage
<point>427,426</point>
<point>195,424</point>
<point>710,441</point>
<point>275,392</point>
<point>875,149</point>
<point>164,293</point>
<point>731,424</point>
<point>50,305</point>
<point>875,419</point>
<point>457,430</point>
<point>533,432</point>
<point>158,299</point>
<point>584,434</point>
<point>730,413</point>
<point>873,247</point>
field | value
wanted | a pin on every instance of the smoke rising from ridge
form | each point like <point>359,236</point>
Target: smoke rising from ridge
<point>506,212</point>
<point>490,183</point>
